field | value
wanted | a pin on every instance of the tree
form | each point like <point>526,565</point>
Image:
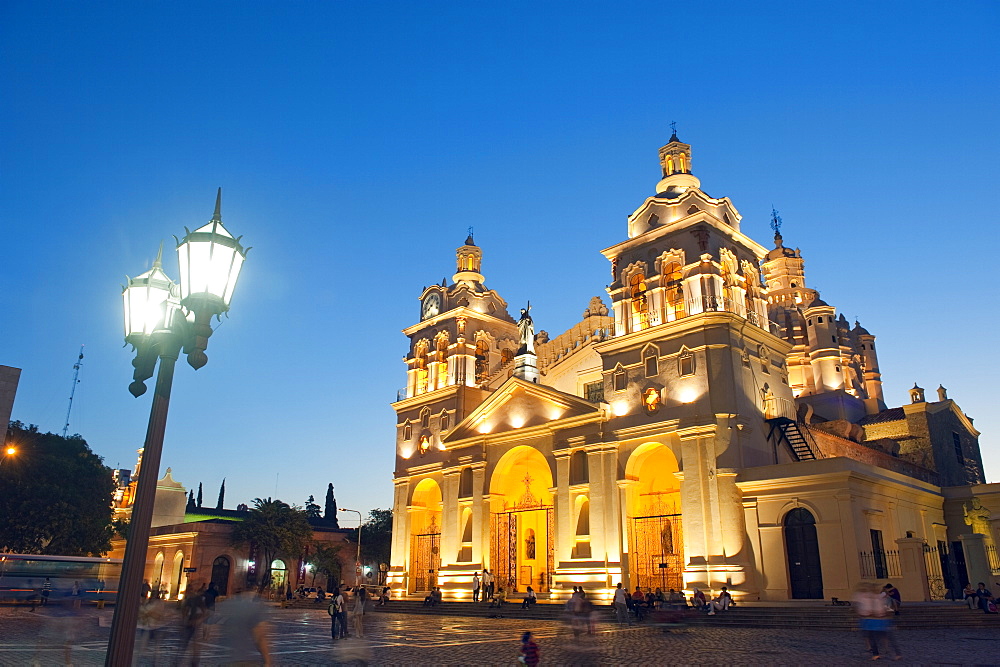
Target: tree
<point>312,509</point>
<point>330,512</point>
<point>325,559</point>
<point>199,494</point>
<point>190,503</point>
<point>376,537</point>
<point>222,494</point>
<point>56,496</point>
<point>272,527</point>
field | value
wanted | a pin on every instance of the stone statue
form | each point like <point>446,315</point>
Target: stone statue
<point>526,327</point>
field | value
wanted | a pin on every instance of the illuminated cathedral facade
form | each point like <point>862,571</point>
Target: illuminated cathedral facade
<point>717,425</point>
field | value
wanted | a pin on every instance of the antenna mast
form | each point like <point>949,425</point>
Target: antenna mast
<point>72,392</point>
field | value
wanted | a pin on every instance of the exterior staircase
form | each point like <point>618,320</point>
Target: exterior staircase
<point>783,428</point>
<point>817,616</point>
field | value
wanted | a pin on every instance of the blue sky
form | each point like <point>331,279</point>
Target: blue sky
<point>356,141</point>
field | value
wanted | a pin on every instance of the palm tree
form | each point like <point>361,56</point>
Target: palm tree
<point>273,527</point>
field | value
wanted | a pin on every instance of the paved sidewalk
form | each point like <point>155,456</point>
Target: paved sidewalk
<point>303,638</point>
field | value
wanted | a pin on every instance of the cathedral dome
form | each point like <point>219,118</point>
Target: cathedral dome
<point>859,330</point>
<point>817,302</point>
<point>779,250</point>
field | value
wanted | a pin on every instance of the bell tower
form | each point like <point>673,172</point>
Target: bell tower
<point>693,359</point>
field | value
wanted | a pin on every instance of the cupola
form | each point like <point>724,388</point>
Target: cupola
<point>675,165</point>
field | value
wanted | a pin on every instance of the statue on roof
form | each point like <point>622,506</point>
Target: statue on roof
<point>526,327</point>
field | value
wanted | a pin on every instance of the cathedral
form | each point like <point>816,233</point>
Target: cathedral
<point>718,424</point>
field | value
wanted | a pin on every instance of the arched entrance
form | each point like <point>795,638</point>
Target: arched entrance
<point>174,591</point>
<point>220,574</point>
<point>656,537</point>
<point>425,536</point>
<point>522,526</point>
<point>279,575</point>
<point>804,571</point>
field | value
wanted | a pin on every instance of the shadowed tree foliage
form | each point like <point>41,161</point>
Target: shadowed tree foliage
<point>222,494</point>
<point>312,509</point>
<point>330,511</point>
<point>55,495</point>
<point>199,494</point>
<point>325,559</point>
<point>273,528</point>
<point>376,537</point>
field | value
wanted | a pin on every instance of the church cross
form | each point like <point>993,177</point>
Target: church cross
<point>527,482</point>
<point>673,127</point>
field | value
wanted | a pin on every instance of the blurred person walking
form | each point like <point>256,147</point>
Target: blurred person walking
<point>360,601</point>
<point>244,632</point>
<point>874,621</point>
<point>338,615</point>
<point>193,612</point>
<point>620,601</point>
<point>529,650</point>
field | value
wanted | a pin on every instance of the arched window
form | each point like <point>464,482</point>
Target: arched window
<point>640,305</point>
<point>671,276</point>
<point>619,379</point>
<point>650,362</point>
<point>579,472</point>
<point>425,418</point>
<point>220,574</point>
<point>753,286</point>
<point>420,363</point>
<point>482,359</point>
<point>445,421</point>
<point>583,519</point>
<point>765,361</point>
<point>683,162</point>
<point>407,431</point>
<point>670,165</point>
<point>506,356</point>
<point>465,483</point>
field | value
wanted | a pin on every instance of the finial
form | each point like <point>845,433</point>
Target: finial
<point>776,225</point>
<point>673,131</point>
<point>158,262</point>
<point>218,206</point>
<point>469,240</point>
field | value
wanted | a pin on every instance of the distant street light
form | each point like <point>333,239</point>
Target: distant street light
<point>9,451</point>
<point>357,566</point>
<point>162,318</point>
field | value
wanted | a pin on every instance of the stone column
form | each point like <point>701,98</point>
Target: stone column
<point>450,539</point>
<point>562,501</point>
<point>480,516</point>
<point>977,563</point>
<point>712,512</point>
<point>913,570</point>
<point>399,557</point>
<point>622,502</point>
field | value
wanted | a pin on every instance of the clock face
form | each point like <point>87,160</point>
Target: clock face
<point>432,305</point>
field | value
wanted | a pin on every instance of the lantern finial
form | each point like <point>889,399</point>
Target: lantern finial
<point>218,207</point>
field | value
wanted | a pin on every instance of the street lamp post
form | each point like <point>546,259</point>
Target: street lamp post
<point>162,319</point>
<point>357,566</point>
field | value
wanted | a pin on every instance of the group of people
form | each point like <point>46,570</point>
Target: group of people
<point>487,585</point>
<point>338,613</point>
<point>980,598</point>
<point>244,632</point>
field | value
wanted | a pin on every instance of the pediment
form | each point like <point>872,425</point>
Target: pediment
<point>518,404</point>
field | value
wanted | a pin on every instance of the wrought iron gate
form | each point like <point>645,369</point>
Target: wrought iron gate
<point>503,548</point>
<point>656,552</point>
<point>426,555</point>
<point>946,574</point>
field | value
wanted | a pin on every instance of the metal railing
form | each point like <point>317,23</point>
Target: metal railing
<point>993,556</point>
<point>639,321</point>
<point>879,564</point>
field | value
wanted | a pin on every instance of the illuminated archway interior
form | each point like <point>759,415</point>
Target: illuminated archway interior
<point>425,535</point>
<point>521,524</point>
<point>656,539</point>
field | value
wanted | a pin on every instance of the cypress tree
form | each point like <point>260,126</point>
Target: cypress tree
<point>222,494</point>
<point>199,494</point>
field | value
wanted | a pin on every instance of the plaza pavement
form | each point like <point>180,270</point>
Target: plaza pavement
<point>302,637</point>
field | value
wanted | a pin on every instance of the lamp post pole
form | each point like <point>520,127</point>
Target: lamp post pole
<point>123,623</point>
<point>162,318</point>
<point>357,567</point>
